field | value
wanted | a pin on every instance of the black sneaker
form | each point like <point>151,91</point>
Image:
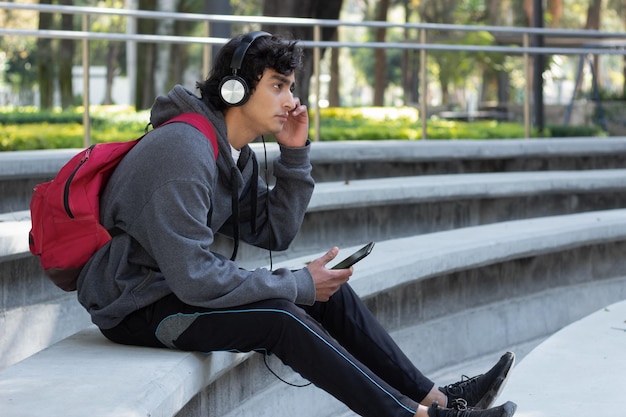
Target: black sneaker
<point>505,410</point>
<point>482,390</point>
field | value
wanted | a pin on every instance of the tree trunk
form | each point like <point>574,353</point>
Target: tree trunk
<point>593,22</point>
<point>218,29</point>
<point>324,9</point>
<point>66,55</point>
<point>112,51</point>
<point>180,53</point>
<point>495,82</point>
<point>555,7</point>
<point>45,66</point>
<point>410,62</point>
<point>334,98</point>
<point>146,60</point>
<point>164,68</point>
<point>439,11</point>
<point>380,56</point>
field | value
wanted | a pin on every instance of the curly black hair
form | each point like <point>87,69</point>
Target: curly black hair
<point>275,52</point>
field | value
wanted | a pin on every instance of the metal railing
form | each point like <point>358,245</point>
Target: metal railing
<point>597,44</point>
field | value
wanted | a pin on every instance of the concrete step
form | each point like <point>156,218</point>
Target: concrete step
<point>20,171</point>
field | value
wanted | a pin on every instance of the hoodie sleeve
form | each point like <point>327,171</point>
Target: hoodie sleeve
<point>284,205</point>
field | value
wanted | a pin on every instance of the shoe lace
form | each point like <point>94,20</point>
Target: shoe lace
<point>457,408</point>
<point>463,387</point>
<point>458,404</point>
<point>461,408</point>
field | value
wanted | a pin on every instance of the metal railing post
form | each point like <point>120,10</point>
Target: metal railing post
<point>86,117</point>
<point>527,88</point>
<point>423,85</point>
<point>317,35</point>
<point>206,51</point>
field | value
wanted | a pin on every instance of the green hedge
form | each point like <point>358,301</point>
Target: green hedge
<point>27,128</point>
<point>376,123</point>
<point>20,118</point>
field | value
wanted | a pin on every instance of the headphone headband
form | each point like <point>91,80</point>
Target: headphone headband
<point>242,48</point>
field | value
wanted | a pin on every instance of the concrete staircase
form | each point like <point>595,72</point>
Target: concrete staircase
<point>482,246</point>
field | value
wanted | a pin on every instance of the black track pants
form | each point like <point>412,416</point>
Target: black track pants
<point>337,345</point>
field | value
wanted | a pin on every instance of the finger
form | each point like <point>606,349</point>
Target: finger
<point>297,111</point>
<point>330,255</point>
<point>302,109</point>
<point>324,259</point>
<point>348,272</point>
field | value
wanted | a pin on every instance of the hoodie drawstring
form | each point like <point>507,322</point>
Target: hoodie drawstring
<point>254,187</point>
<point>234,195</point>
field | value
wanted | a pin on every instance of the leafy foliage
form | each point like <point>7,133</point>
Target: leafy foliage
<point>403,123</point>
<point>27,128</point>
<point>23,129</point>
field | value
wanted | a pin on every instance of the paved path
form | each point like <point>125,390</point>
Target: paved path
<point>578,371</point>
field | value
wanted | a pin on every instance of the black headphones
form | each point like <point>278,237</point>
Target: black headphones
<point>233,89</point>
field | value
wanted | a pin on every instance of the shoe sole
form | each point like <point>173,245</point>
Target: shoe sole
<point>490,397</point>
<point>509,409</point>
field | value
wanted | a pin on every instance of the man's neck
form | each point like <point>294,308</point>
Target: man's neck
<point>239,134</point>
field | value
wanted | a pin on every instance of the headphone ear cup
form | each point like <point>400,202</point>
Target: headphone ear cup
<point>234,90</point>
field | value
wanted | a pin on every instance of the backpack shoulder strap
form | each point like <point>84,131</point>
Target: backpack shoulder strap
<point>202,124</point>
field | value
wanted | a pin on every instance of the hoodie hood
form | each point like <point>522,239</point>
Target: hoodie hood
<point>180,100</point>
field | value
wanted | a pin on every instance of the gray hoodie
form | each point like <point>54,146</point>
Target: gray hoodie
<point>163,194</point>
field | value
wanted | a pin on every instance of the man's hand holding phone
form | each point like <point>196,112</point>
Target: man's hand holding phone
<point>355,257</point>
<point>327,281</point>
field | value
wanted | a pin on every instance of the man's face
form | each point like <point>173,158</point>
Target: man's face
<point>271,101</point>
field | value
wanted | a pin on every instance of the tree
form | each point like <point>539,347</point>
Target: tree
<point>334,99</point>
<point>21,72</point>
<point>593,22</point>
<point>181,53</point>
<point>66,59</point>
<point>325,9</point>
<point>555,11</point>
<point>620,8</point>
<point>380,56</point>
<point>45,62</point>
<point>159,67</point>
<point>55,59</point>
<point>410,59</point>
<point>441,11</point>
<point>112,51</point>
<point>19,63</point>
<point>223,29</point>
<point>496,79</point>
<point>146,60</point>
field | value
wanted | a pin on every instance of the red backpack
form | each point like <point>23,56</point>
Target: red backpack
<point>65,212</point>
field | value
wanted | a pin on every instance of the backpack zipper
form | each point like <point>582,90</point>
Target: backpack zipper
<point>66,190</point>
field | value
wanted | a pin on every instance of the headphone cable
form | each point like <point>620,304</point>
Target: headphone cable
<point>267,202</point>
<point>267,208</point>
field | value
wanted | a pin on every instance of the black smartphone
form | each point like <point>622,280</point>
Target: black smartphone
<point>355,257</point>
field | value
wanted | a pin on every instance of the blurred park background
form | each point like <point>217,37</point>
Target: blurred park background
<point>358,89</point>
